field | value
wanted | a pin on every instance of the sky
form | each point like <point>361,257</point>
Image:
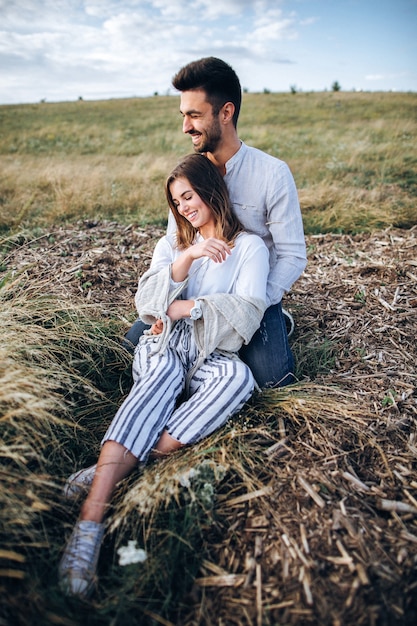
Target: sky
<point>61,50</point>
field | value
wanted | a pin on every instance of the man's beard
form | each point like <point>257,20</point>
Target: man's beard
<point>211,139</point>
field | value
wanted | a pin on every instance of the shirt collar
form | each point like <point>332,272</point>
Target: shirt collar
<point>236,158</point>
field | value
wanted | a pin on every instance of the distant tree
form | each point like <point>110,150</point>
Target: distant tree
<point>336,86</point>
<point>267,90</point>
<point>293,88</point>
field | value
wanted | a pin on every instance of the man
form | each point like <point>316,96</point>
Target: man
<point>264,197</point>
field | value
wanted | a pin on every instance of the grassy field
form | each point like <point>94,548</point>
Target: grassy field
<point>303,509</point>
<point>352,154</point>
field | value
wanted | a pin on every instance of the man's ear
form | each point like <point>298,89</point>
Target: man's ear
<point>227,112</point>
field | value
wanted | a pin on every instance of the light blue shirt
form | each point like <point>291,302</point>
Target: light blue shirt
<point>265,199</point>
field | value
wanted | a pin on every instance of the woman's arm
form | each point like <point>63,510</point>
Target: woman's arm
<point>176,311</point>
<point>149,290</point>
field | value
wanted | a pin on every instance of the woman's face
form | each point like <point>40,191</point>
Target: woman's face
<point>189,204</point>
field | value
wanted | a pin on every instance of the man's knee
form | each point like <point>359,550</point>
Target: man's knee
<point>133,335</point>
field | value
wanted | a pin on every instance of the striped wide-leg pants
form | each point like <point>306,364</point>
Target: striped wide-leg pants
<point>217,390</point>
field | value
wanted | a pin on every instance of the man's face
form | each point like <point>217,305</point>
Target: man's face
<point>198,121</point>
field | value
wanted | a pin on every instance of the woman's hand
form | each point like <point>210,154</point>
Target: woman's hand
<point>215,249</point>
<point>157,328</point>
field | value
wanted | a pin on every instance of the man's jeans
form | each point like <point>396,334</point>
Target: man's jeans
<point>268,354</point>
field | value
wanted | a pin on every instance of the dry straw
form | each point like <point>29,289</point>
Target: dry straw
<point>51,375</point>
<point>302,510</point>
<point>297,483</point>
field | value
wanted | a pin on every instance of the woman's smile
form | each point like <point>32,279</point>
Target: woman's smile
<point>191,216</point>
<point>189,204</point>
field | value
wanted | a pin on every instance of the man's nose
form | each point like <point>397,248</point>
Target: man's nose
<point>186,125</point>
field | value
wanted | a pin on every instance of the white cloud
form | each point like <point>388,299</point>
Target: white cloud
<point>208,9</point>
<point>273,27</point>
<point>60,49</point>
<point>379,77</point>
<point>309,21</point>
<point>136,44</point>
<point>375,77</point>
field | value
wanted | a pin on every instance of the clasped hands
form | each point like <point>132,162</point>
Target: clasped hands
<point>176,311</point>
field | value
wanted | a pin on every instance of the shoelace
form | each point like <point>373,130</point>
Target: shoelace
<point>82,551</point>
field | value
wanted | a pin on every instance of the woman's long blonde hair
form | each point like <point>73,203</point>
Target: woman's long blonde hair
<point>206,180</point>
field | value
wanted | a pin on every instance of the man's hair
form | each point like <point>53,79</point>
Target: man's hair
<point>207,182</point>
<point>216,78</point>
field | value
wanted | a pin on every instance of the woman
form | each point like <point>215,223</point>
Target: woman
<point>204,296</point>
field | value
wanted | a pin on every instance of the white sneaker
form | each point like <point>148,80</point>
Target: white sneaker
<point>79,483</point>
<point>77,568</point>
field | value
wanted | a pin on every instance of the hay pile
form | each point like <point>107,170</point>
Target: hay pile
<point>303,509</point>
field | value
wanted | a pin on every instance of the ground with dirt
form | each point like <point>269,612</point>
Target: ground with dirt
<point>356,301</point>
<point>349,544</point>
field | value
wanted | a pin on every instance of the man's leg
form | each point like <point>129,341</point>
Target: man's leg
<point>133,334</point>
<point>268,354</point>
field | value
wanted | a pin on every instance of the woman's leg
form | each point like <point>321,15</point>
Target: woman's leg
<point>77,568</point>
<point>165,445</point>
<point>114,463</point>
<point>158,380</point>
<point>142,417</point>
<point>133,432</point>
<point>219,388</point>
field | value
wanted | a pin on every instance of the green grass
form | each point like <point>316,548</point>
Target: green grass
<point>352,155</point>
